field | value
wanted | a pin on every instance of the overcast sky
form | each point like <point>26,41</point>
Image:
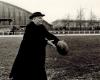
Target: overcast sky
<point>59,9</point>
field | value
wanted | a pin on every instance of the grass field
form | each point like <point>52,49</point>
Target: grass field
<point>81,63</point>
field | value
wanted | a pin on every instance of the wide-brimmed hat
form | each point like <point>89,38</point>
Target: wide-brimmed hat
<point>36,14</point>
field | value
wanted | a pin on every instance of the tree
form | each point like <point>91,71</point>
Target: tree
<point>92,20</point>
<point>80,17</point>
<point>92,16</point>
<point>68,22</point>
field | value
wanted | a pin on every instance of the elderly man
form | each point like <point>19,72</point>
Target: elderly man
<point>30,60</point>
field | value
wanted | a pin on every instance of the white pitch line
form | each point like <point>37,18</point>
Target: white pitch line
<point>77,34</point>
<point>54,34</point>
<point>11,35</point>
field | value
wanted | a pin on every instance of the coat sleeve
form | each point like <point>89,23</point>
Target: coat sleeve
<point>50,36</point>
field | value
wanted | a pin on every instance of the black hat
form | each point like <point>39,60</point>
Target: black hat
<point>36,14</point>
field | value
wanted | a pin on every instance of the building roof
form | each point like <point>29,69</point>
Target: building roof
<point>15,6</point>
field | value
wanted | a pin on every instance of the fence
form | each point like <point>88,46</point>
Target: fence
<point>76,32</point>
<point>53,32</point>
<point>11,33</point>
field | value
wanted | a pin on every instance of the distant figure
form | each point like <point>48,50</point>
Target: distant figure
<point>13,30</point>
<point>30,61</point>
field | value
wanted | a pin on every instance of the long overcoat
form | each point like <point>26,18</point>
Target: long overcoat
<point>30,60</point>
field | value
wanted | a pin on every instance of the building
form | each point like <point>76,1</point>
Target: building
<point>12,16</point>
<point>17,14</point>
<point>76,25</point>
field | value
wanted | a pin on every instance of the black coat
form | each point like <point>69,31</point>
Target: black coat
<point>30,61</point>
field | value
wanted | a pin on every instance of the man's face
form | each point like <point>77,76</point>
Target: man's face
<point>38,20</point>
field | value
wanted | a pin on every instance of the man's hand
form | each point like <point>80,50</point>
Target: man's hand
<point>50,42</point>
<point>61,44</point>
<point>9,78</point>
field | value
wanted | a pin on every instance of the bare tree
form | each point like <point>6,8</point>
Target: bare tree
<point>80,17</point>
<point>68,22</point>
<point>92,16</point>
<point>92,20</point>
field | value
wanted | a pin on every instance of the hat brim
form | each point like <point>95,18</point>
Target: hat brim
<point>42,15</point>
<point>33,16</point>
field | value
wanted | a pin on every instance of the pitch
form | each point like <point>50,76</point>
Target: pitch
<point>82,61</point>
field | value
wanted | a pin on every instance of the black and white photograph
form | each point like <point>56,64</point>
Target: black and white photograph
<point>49,40</point>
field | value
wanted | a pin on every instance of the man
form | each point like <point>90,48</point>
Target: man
<point>30,61</point>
